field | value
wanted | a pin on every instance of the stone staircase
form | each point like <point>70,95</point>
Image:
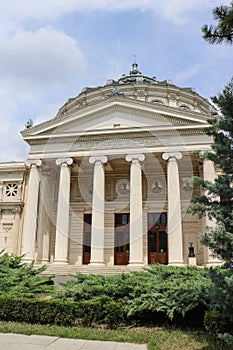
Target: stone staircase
<point>66,270</point>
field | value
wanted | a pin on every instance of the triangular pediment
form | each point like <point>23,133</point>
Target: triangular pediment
<point>115,115</point>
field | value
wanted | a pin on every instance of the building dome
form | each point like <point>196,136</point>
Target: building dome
<point>137,86</point>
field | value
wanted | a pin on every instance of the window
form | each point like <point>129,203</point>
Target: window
<point>158,102</point>
<point>157,218</point>
<point>11,189</point>
<point>185,108</point>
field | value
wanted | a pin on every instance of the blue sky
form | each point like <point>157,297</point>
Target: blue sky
<point>51,49</point>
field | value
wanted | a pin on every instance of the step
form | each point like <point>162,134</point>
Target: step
<point>63,270</point>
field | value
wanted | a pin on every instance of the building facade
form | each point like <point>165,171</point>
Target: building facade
<point>107,180</point>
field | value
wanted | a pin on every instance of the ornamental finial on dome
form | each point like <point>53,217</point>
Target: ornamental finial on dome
<point>135,67</point>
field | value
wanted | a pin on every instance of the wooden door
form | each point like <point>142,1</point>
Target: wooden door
<point>157,238</point>
<point>87,239</point>
<point>122,244</point>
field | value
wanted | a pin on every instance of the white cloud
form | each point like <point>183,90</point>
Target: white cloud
<point>189,72</point>
<point>36,69</point>
<point>45,55</point>
<point>180,11</point>
<point>175,10</point>
<point>41,66</point>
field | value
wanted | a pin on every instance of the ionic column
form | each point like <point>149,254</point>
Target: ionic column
<point>209,174</point>
<point>174,227</point>
<point>63,207</point>
<point>136,230</point>
<point>45,215</point>
<point>97,229</point>
<point>31,211</point>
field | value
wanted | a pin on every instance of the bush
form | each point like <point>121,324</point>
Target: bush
<point>113,314</point>
<point>220,317</point>
<point>159,292</point>
<point>59,312</point>
<point>214,323</point>
<point>20,279</point>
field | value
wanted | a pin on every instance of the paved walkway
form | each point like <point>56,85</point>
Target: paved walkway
<point>10,341</point>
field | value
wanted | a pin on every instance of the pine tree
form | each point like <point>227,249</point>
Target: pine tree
<point>217,200</point>
<point>224,29</point>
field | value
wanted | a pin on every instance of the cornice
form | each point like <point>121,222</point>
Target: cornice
<point>12,166</point>
<point>135,137</point>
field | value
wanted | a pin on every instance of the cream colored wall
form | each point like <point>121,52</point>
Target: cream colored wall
<point>9,231</point>
<point>192,228</point>
<point>11,207</point>
<point>109,238</point>
<point>76,235</point>
<point>145,237</point>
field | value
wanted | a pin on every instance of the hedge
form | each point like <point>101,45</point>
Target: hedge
<point>60,312</point>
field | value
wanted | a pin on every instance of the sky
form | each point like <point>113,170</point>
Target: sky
<point>51,49</point>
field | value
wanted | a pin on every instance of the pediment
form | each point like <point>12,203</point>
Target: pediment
<point>115,116</point>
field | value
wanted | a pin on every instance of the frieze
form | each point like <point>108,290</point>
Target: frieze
<point>95,139</point>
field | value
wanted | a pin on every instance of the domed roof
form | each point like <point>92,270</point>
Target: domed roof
<point>135,76</point>
<point>142,88</point>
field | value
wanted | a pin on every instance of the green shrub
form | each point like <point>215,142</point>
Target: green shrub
<point>59,312</point>
<point>160,290</point>
<point>113,314</point>
<point>220,317</point>
<point>20,279</point>
<point>214,323</point>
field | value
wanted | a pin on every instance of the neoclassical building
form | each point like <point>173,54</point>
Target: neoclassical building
<point>106,183</point>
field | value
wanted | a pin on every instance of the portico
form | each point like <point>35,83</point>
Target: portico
<point>129,206</point>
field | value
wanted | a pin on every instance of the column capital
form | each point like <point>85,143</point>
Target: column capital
<point>168,155</point>
<point>30,162</point>
<point>131,157</point>
<point>102,159</point>
<point>67,161</point>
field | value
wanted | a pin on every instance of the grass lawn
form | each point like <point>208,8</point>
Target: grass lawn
<point>157,338</point>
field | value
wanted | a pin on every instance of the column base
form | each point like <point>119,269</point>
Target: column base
<point>42,261</point>
<point>176,263</point>
<point>60,262</point>
<point>96,263</point>
<point>213,263</point>
<point>136,263</point>
<point>27,260</point>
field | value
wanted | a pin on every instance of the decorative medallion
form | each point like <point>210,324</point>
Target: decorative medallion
<point>156,186</point>
<point>123,187</point>
<point>187,187</point>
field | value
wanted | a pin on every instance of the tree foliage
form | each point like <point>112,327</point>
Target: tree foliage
<point>223,32</point>
<point>217,199</point>
<point>19,279</point>
<point>217,203</point>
